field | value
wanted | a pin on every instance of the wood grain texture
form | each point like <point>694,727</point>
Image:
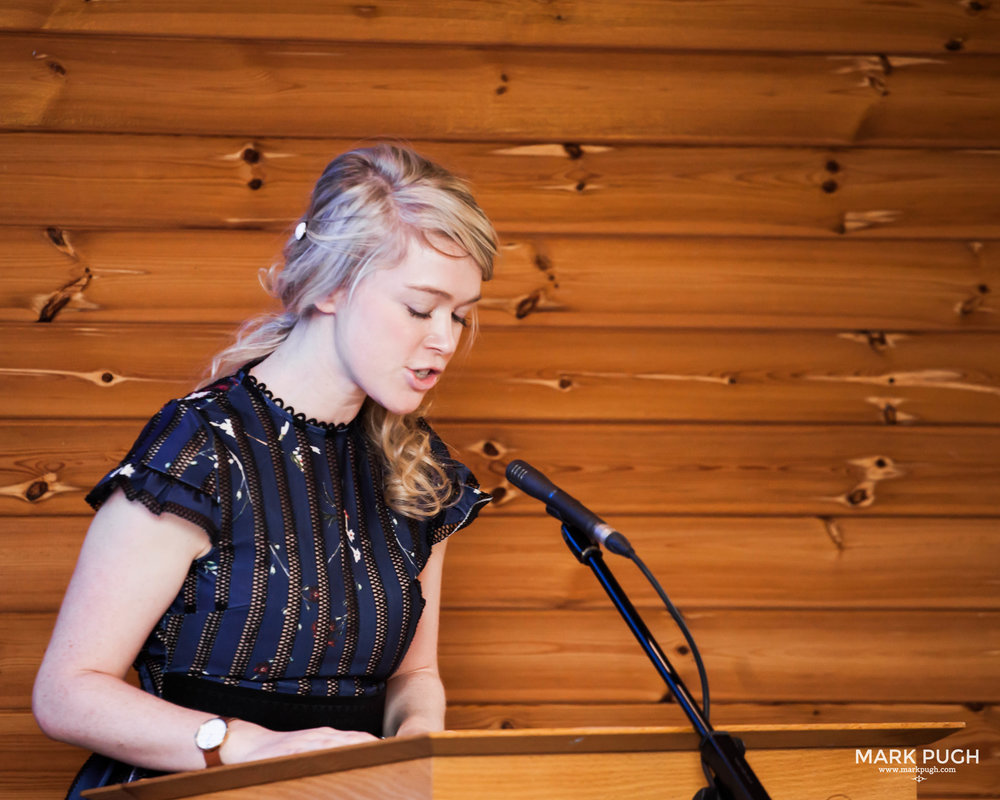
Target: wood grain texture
<point>925,26</point>
<point>46,466</point>
<point>72,370</point>
<point>982,731</point>
<point>520,562</point>
<point>676,776</point>
<point>36,768</point>
<point>769,656</point>
<point>88,276</point>
<point>97,180</point>
<point>751,655</point>
<point>287,88</point>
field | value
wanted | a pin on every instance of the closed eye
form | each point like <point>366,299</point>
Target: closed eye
<point>463,321</point>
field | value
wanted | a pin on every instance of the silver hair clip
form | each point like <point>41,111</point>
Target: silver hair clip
<point>300,231</point>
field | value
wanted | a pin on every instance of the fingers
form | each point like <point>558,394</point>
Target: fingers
<point>293,742</point>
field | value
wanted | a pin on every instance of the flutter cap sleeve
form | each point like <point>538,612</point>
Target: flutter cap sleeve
<point>171,468</point>
<point>471,499</point>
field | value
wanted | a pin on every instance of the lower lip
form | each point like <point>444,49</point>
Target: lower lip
<point>423,384</point>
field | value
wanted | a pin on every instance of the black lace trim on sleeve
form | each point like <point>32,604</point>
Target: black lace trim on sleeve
<point>155,506</point>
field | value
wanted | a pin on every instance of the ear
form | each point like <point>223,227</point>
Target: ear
<point>333,302</point>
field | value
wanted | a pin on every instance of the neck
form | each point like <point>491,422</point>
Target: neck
<point>299,371</point>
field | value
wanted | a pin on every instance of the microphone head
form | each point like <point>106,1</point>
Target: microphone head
<point>516,470</point>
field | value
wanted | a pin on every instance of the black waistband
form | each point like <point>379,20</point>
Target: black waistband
<point>279,712</point>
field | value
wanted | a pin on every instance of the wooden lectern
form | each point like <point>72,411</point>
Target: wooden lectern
<point>794,762</point>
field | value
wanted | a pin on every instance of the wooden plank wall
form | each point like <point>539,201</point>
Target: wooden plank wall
<point>746,308</point>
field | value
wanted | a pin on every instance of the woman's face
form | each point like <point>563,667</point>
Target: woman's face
<point>396,334</point>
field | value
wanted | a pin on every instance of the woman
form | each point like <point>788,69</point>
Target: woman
<point>269,553</point>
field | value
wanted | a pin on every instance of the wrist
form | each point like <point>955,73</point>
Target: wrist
<point>243,737</point>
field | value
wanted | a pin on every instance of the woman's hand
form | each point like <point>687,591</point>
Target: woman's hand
<point>249,742</point>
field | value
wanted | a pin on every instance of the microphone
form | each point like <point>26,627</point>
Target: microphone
<point>566,508</point>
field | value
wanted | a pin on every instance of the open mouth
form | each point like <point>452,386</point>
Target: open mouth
<point>424,373</point>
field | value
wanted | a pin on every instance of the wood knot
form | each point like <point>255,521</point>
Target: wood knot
<point>971,304</point>
<point>107,377</point>
<point>251,155</point>
<point>490,449</point>
<point>682,649</point>
<point>507,724</point>
<point>581,186</point>
<point>858,497</point>
<point>889,415</point>
<point>36,491</point>
<point>501,90</point>
<point>573,150</point>
<point>975,6</point>
<point>954,45</point>
<point>876,339</point>
<point>830,186</point>
<point>832,166</point>
<point>565,383</point>
<point>498,494</point>
<point>527,304</point>
<point>56,236</point>
<point>56,68</point>
<point>255,184</point>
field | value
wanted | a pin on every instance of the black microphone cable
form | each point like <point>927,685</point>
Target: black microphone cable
<point>569,510</point>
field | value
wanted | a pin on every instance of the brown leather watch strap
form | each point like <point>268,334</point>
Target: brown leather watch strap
<point>212,757</point>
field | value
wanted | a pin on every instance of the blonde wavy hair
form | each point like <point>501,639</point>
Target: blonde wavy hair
<point>366,207</point>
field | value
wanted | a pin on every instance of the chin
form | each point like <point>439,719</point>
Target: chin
<point>400,406</point>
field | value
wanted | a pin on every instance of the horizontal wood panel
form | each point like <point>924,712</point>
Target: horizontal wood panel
<point>780,656</point>
<point>37,767</point>
<point>92,371</point>
<point>733,375</point>
<point>522,562</point>
<point>702,562</point>
<point>820,25</point>
<point>634,469</point>
<point>95,180</point>
<point>760,656</point>
<point>283,88</point>
<point>541,280</point>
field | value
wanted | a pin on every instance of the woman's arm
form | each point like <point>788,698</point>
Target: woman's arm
<point>130,569</point>
<point>414,694</point>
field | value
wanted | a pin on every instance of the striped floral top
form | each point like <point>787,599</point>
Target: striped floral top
<point>311,585</point>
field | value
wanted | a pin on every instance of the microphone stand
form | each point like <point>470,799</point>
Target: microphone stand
<point>722,753</point>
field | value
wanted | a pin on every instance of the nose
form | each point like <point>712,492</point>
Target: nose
<point>444,334</point>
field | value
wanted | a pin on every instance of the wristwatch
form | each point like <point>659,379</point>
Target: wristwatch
<point>210,737</point>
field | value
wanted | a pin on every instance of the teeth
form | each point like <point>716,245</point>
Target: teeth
<point>421,373</point>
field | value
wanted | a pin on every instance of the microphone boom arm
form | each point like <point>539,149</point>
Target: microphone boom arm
<point>723,753</point>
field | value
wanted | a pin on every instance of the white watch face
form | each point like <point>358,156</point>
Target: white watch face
<point>211,734</point>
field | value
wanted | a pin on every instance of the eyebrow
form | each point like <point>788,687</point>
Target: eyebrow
<point>442,293</point>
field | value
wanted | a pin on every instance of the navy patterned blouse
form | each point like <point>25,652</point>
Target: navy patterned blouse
<point>310,587</point>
